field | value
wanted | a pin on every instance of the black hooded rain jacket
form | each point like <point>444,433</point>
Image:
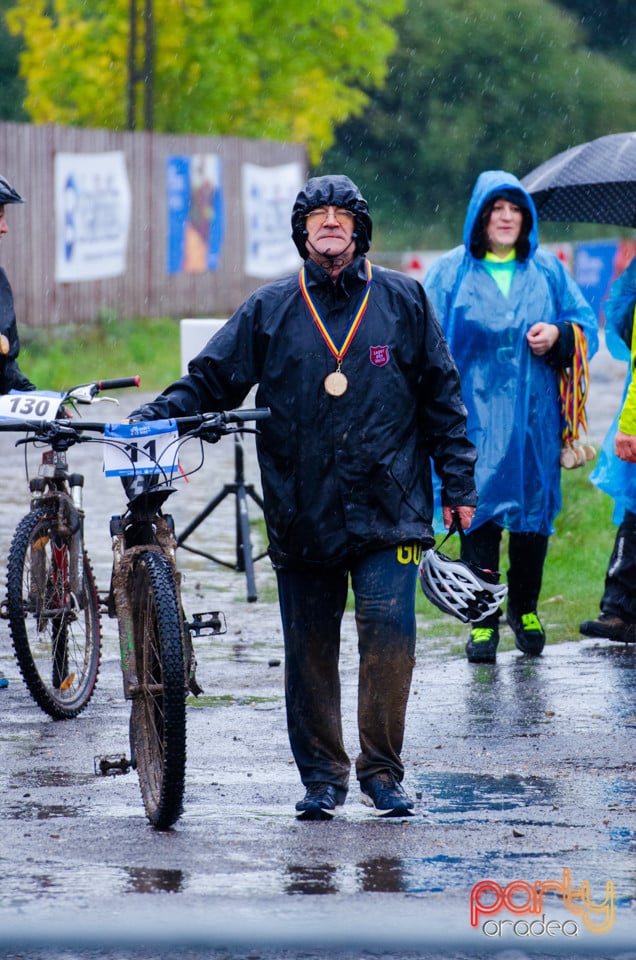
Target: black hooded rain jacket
<point>341,475</point>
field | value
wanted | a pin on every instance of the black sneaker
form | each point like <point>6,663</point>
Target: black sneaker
<point>482,645</point>
<point>609,626</point>
<point>387,797</point>
<point>321,802</point>
<point>528,631</point>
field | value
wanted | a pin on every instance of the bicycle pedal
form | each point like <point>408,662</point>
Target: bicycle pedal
<point>205,624</point>
<point>106,604</point>
<point>112,765</point>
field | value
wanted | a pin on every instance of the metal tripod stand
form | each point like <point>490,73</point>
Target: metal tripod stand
<point>244,559</point>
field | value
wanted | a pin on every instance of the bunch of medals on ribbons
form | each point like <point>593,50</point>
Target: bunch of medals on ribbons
<point>573,389</point>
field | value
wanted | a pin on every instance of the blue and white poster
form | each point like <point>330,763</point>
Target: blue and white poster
<point>92,215</point>
<point>195,213</point>
<point>268,197</point>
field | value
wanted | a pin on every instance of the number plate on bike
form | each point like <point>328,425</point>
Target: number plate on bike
<point>141,448</point>
<point>34,405</point>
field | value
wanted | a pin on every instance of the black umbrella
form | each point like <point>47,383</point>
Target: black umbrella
<point>594,182</point>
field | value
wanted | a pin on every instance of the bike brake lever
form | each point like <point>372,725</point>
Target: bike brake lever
<point>208,433</point>
<point>81,394</point>
<point>55,431</point>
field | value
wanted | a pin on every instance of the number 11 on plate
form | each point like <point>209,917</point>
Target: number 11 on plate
<point>141,448</point>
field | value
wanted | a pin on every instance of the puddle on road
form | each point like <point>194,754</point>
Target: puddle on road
<point>228,700</point>
<point>20,804</point>
<point>427,875</point>
<point>40,811</point>
<point>457,793</point>
<point>233,647</point>
<point>55,778</point>
<point>110,881</point>
<point>154,880</point>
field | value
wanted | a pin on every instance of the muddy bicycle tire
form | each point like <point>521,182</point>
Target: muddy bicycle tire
<point>57,643</point>
<point>158,714</point>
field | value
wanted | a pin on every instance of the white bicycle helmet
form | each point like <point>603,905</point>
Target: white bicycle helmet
<point>460,588</point>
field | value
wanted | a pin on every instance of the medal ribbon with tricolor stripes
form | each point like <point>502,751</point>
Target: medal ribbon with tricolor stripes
<point>338,352</point>
<point>573,389</point>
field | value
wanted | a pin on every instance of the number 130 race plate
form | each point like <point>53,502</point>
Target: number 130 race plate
<point>34,405</point>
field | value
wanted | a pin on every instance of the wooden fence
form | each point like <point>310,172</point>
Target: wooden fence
<point>146,289</point>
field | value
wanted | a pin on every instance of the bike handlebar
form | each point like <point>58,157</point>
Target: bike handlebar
<point>87,392</point>
<point>222,417</point>
<point>118,383</point>
<point>218,420</point>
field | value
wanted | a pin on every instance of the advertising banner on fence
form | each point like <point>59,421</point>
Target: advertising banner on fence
<point>195,213</point>
<point>598,264</point>
<point>92,215</point>
<point>268,198</point>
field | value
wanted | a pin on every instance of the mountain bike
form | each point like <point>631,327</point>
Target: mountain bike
<point>52,603</point>
<point>156,638</point>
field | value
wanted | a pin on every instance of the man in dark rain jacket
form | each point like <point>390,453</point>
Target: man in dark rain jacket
<point>11,377</point>
<point>363,391</point>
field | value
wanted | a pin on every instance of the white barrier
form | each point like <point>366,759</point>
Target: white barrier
<point>168,932</point>
<point>194,336</point>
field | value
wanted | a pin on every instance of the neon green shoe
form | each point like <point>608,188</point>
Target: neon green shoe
<point>528,631</point>
<point>482,645</point>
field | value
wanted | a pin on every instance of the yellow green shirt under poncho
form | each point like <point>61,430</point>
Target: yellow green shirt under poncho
<point>501,269</point>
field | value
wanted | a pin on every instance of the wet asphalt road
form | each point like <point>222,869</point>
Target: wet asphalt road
<point>522,772</point>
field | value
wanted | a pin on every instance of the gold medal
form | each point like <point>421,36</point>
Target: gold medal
<point>336,383</point>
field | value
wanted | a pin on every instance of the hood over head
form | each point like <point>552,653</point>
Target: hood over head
<point>331,190</point>
<point>499,183</point>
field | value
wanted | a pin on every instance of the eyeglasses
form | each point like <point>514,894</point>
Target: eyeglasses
<point>321,213</point>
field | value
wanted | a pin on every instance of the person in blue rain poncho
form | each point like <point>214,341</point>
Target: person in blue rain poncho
<point>507,308</point>
<point>616,475</point>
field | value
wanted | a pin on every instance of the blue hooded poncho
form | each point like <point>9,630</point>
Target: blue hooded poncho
<point>512,396</point>
<point>616,477</point>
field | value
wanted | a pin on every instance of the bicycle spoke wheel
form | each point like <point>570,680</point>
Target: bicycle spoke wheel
<point>158,715</point>
<point>55,633</point>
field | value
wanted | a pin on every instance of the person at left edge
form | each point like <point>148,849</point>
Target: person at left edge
<point>11,377</point>
<point>363,392</point>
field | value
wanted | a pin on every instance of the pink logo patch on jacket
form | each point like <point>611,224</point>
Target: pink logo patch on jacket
<point>379,356</point>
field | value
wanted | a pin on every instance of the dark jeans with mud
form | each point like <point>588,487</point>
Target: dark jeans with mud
<point>619,598</point>
<point>312,605</point>
<point>526,555</point>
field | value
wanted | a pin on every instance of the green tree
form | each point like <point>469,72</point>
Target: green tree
<point>609,25</point>
<point>12,90</point>
<point>474,86</point>
<point>252,68</point>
